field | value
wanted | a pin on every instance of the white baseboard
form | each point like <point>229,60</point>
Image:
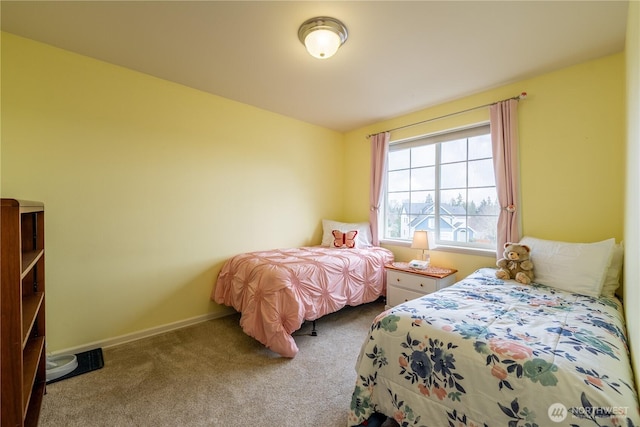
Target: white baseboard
<point>146,333</point>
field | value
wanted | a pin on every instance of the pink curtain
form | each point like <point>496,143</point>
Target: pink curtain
<point>504,139</point>
<point>379,150</point>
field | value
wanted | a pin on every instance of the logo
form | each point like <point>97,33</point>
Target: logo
<point>557,412</point>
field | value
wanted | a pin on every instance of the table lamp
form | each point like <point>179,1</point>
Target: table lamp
<point>420,241</point>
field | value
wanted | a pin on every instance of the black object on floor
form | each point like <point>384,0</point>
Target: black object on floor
<point>375,420</point>
<point>87,361</point>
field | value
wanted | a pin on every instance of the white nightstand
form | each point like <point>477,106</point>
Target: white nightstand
<point>405,283</point>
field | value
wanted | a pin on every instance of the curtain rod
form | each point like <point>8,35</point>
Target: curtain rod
<point>523,95</point>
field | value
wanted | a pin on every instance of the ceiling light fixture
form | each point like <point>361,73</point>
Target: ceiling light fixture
<point>322,36</point>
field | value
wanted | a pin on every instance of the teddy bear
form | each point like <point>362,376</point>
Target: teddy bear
<point>515,264</point>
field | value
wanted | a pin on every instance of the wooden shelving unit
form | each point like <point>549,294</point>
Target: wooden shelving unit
<point>22,308</point>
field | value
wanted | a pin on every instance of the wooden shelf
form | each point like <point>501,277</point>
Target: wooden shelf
<point>29,259</point>
<point>30,307</point>
<point>31,359</point>
<point>35,403</point>
<point>22,305</point>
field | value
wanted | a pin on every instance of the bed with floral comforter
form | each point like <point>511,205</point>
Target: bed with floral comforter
<point>487,352</point>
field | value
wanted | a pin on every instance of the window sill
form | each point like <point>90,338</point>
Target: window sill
<point>453,249</point>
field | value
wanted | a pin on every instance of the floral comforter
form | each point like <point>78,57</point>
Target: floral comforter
<point>487,352</point>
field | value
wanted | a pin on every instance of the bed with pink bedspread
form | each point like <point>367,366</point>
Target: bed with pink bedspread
<point>276,291</point>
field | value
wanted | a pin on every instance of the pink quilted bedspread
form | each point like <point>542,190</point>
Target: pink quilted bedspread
<point>276,291</point>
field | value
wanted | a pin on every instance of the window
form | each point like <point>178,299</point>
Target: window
<point>443,183</point>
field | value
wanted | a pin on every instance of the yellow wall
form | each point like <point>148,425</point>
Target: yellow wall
<point>149,186</point>
<point>632,212</point>
<point>572,148</point>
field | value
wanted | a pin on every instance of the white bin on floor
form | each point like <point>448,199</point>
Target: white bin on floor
<point>61,365</point>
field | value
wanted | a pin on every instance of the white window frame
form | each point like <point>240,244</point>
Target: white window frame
<point>436,138</point>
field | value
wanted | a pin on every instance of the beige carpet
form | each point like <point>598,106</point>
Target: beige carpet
<point>212,374</point>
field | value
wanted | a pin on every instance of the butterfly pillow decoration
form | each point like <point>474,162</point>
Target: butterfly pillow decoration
<point>344,240</point>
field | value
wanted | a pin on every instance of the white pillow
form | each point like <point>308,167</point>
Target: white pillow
<point>363,239</point>
<point>575,267</point>
<point>612,280</point>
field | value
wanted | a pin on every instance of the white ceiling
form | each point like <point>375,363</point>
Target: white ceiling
<point>400,56</point>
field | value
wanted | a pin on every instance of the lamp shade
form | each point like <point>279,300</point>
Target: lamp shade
<point>322,36</point>
<point>420,240</point>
